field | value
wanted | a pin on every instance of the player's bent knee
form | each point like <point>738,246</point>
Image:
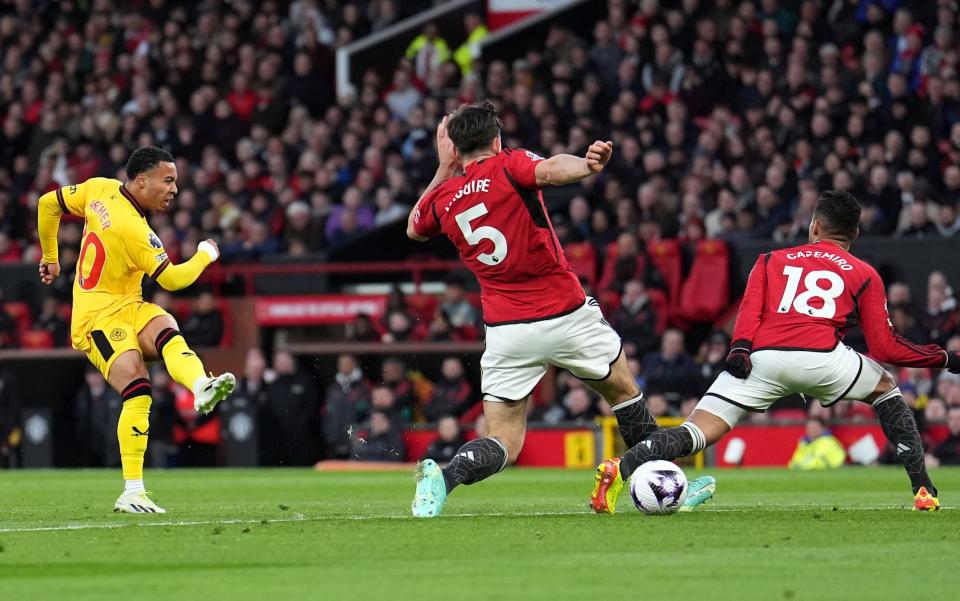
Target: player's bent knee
<point>713,427</point>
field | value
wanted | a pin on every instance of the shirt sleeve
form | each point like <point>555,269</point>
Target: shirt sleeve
<point>751,307</point>
<point>425,220</point>
<point>70,200</point>
<point>73,199</point>
<point>146,252</point>
<point>883,342</point>
<point>522,167</point>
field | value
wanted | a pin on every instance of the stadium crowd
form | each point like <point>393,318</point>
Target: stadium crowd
<point>727,117</point>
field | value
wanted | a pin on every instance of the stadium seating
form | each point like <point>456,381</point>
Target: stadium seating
<point>665,256</point>
<point>706,290</point>
<point>36,340</point>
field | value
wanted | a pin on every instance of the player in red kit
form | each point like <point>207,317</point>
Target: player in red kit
<point>486,199</point>
<point>789,339</point>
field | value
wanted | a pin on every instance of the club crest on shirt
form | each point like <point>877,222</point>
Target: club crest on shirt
<point>117,334</point>
<point>154,241</point>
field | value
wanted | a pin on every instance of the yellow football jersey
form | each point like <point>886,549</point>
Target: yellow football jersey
<point>117,249</point>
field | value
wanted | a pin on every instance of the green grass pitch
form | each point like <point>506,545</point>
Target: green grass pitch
<point>525,534</point>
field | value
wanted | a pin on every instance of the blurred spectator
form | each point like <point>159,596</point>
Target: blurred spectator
<point>197,435</point>
<point>461,313</point>
<point>162,449</point>
<point>10,250</point>
<point>578,406</point>
<point>428,51</point>
<point>251,394</point>
<point>362,329</point>
<point>712,355</point>
<point>453,394</point>
<point>11,433</point>
<point>941,317</point>
<point>440,329</point>
<point>657,403</point>
<point>291,420</point>
<point>449,440</point>
<point>636,320</point>
<point>50,320</point>
<point>382,441</point>
<point>467,52</point>
<point>393,374</point>
<point>382,399</point>
<point>96,410</point>
<point>403,96</point>
<point>204,325</point>
<point>302,228</point>
<point>399,327</point>
<point>948,451</point>
<point>672,361</point>
<point>819,449</point>
<point>388,209</point>
<point>346,404</point>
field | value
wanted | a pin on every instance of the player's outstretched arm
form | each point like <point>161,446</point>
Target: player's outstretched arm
<point>564,169</point>
<point>449,164</point>
<point>175,277</point>
<point>884,344</point>
<point>49,212</point>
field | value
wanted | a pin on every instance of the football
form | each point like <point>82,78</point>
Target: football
<point>658,487</point>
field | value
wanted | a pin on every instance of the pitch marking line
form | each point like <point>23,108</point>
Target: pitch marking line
<point>303,518</point>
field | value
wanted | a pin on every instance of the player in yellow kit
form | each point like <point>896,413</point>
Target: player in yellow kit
<point>111,323</point>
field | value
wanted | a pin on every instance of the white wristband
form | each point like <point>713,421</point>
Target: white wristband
<point>208,248</point>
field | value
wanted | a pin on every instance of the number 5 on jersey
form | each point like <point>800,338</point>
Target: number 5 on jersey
<point>484,232</point>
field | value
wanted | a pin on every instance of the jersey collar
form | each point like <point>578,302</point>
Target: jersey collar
<point>473,166</point>
<point>126,194</point>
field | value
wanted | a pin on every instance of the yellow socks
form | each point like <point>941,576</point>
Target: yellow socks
<point>182,363</point>
<point>133,427</point>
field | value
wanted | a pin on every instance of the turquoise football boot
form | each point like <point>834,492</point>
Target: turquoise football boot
<point>431,490</point>
<point>699,491</point>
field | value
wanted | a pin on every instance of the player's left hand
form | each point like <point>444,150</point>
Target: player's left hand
<point>598,155</point>
<point>953,362</point>
<point>49,272</point>
<point>738,363</point>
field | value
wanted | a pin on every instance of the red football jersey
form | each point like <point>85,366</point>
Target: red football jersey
<point>806,297</point>
<point>495,216</point>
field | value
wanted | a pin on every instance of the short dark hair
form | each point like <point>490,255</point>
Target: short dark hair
<point>838,212</point>
<point>474,126</point>
<point>146,158</point>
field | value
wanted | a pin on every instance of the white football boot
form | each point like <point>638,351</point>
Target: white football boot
<point>208,391</point>
<point>137,502</point>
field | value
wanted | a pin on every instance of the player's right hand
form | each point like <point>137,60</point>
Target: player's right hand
<point>738,363</point>
<point>598,155</point>
<point>446,149</point>
<point>953,362</point>
<point>211,248</point>
<point>49,272</point>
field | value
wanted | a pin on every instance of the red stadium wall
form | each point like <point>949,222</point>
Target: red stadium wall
<point>548,447</point>
<point>772,446</point>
